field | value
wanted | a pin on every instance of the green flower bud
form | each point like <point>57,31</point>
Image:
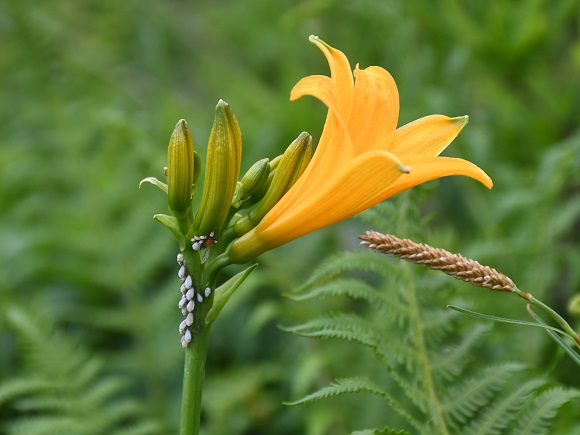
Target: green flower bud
<point>292,164</point>
<point>224,153</point>
<point>256,176</point>
<point>263,188</point>
<point>180,170</point>
<point>196,166</point>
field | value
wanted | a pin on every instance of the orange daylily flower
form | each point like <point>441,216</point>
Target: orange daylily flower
<point>361,159</point>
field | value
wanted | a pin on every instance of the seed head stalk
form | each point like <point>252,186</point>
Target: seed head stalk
<point>459,267</point>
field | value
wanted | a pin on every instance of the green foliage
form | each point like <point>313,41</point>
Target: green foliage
<point>434,383</point>
<point>65,390</point>
<point>91,91</point>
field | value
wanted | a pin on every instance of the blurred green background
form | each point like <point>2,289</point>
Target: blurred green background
<point>91,91</point>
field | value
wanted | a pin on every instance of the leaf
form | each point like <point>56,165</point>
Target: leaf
<point>356,385</point>
<point>463,402</point>
<point>224,292</point>
<point>502,319</point>
<point>537,417</point>
<point>155,182</point>
<point>384,431</point>
<point>347,261</point>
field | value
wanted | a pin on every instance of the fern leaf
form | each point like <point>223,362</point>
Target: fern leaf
<point>504,410</point>
<point>438,324</point>
<point>104,390</point>
<point>17,387</point>
<point>384,431</point>
<point>452,361</point>
<point>45,425</point>
<point>538,416</point>
<point>339,325</point>
<point>357,385</point>
<point>143,428</point>
<point>347,261</point>
<point>462,403</point>
<point>352,288</point>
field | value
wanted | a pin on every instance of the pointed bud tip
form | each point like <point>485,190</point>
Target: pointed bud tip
<point>404,169</point>
<point>461,120</point>
<point>304,137</point>
<point>317,41</point>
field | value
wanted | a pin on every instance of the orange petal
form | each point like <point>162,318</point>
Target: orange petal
<point>375,110</point>
<point>425,168</point>
<point>340,73</point>
<point>322,88</point>
<point>332,152</point>
<point>317,86</point>
<point>428,135</point>
<point>336,199</point>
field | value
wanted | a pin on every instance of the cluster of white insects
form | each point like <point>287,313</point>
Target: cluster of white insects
<point>189,296</point>
<point>202,242</point>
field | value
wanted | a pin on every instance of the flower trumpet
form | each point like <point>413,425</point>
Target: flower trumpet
<point>361,159</point>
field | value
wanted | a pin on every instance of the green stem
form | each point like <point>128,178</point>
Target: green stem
<point>559,319</point>
<point>193,375</point>
<point>196,351</point>
<point>428,381</point>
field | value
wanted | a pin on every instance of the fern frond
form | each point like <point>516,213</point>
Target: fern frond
<point>66,391</point>
<point>463,402</point>
<point>339,387</point>
<point>353,288</point>
<point>352,327</point>
<point>13,388</point>
<point>536,419</point>
<point>338,325</point>
<point>453,360</point>
<point>143,428</point>
<point>344,262</point>
<point>358,385</point>
<point>45,425</point>
<point>503,410</point>
<point>103,391</point>
<point>384,431</point>
<point>438,324</point>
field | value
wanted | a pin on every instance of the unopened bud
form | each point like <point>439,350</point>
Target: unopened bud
<point>252,180</point>
<point>263,188</point>
<point>256,176</point>
<point>222,169</point>
<point>180,170</point>
<point>292,164</point>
